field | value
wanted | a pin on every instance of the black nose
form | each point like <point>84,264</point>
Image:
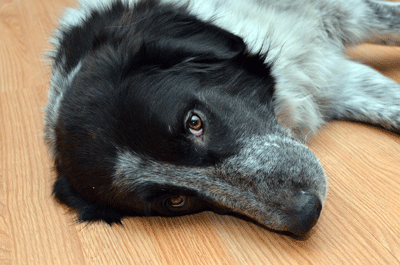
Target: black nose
<point>305,213</point>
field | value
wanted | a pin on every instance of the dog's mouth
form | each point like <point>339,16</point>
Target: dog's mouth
<point>276,181</point>
<point>298,235</point>
<point>298,222</point>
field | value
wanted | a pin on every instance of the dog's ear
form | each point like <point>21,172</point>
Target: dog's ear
<point>188,34</point>
<point>207,41</point>
<point>187,39</point>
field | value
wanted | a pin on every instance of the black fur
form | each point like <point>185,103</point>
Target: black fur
<point>141,70</point>
<point>67,195</point>
<point>154,111</point>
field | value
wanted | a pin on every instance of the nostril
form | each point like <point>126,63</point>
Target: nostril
<point>305,213</point>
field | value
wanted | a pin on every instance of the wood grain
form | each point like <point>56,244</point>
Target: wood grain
<point>359,225</point>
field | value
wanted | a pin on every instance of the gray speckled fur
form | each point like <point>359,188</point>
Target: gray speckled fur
<point>306,46</point>
<point>59,82</point>
<point>305,40</point>
<point>263,175</point>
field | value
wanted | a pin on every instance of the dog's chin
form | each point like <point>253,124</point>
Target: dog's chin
<point>297,236</point>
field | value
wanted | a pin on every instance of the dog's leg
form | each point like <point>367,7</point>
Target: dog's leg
<point>365,95</point>
<point>349,22</point>
<point>388,27</point>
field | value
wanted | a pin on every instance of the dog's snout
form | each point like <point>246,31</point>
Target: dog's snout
<point>305,213</point>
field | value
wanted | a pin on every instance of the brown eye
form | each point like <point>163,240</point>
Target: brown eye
<point>177,201</point>
<point>195,123</point>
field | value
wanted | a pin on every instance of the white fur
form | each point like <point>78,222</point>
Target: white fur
<point>60,81</point>
<point>303,41</point>
<point>294,33</point>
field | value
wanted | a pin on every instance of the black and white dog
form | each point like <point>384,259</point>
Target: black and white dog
<point>170,107</point>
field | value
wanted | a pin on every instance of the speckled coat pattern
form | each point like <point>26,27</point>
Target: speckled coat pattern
<point>265,171</point>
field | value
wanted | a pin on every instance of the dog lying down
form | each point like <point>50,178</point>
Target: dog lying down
<point>175,107</point>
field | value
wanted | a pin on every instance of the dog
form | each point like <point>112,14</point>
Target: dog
<point>173,107</point>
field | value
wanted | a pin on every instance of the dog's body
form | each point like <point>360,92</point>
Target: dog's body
<point>173,107</point>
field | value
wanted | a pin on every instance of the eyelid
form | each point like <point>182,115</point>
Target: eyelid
<point>196,133</point>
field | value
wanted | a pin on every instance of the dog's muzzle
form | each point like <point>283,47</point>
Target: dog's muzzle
<point>276,181</point>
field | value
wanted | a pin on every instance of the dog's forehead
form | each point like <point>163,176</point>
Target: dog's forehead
<point>157,100</point>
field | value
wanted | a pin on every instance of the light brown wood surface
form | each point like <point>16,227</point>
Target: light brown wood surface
<point>359,225</point>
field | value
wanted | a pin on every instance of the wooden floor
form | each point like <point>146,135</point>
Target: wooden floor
<point>359,225</point>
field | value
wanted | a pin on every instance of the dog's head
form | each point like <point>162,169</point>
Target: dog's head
<point>159,113</point>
